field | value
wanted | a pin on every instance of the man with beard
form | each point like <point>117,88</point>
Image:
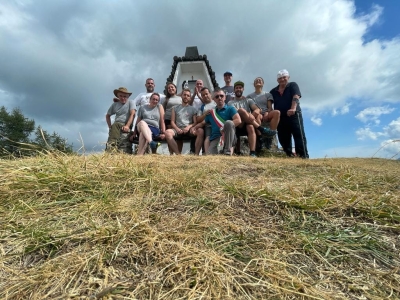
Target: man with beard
<point>183,118</point>
<point>228,88</point>
<point>223,120</point>
<point>264,101</point>
<point>287,100</point>
<point>208,105</point>
<point>249,114</point>
<point>144,98</point>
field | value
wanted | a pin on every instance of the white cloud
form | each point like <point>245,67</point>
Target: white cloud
<point>393,129</point>
<point>367,133</point>
<point>342,110</point>
<point>65,58</point>
<point>372,114</point>
<point>316,121</point>
<point>389,149</point>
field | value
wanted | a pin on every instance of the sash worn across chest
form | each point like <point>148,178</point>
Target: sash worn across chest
<point>217,118</point>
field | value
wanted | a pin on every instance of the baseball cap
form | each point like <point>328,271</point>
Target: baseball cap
<point>238,83</point>
<point>228,73</point>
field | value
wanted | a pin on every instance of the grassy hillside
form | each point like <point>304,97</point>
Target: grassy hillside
<point>161,227</point>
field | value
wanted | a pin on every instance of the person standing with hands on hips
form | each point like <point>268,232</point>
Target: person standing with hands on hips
<point>287,100</point>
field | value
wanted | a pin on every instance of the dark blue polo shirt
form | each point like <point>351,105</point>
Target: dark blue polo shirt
<point>283,102</point>
<point>226,113</point>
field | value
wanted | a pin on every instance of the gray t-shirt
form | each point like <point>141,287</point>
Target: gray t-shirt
<point>151,115</point>
<point>121,111</point>
<point>261,100</point>
<point>184,115</point>
<point>245,103</point>
<point>173,101</point>
<point>229,92</point>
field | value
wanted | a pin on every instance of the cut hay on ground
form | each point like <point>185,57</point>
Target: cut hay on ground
<point>161,227</point>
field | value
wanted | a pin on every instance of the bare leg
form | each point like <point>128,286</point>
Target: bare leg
<point>206,145</point>
<point>169,136</point>
<point>180,145</point>
<point>247,117</point>
<point>274,117</point>
<point>251,134</point>
<point>145,136</point>
<point>199,140</point>
<point>142,145</point>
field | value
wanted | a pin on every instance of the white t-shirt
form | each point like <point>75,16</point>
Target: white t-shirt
<point>197,103</point>
<point>144,98</point>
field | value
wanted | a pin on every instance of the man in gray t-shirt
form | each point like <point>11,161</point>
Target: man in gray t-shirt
<point>183,119</point>
<point>124,111</point>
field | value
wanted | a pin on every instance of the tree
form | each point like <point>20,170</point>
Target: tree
<point>15,132</point>
<point>51,142</point>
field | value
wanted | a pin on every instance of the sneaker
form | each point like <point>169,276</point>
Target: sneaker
<point>267,131</point>
<point>253,155</point>
<point>154,145</point>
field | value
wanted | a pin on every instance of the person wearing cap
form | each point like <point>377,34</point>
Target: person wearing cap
<point>124,111</point>
<point>268,117</point>
<point>287,100</point>
<point>228,88</point>
<point>249,114</point>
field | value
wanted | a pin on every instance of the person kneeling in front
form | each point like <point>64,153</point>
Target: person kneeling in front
<point>223,120</point>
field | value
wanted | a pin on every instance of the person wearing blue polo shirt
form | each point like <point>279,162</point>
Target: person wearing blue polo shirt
<point>223,120</point>
<point>287,100</point>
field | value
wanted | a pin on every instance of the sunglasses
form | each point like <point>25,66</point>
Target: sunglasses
<point>219,96</point>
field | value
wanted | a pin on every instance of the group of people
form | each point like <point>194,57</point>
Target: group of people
<point>212,120</point>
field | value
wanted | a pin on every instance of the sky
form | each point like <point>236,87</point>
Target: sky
<point>61,61</point>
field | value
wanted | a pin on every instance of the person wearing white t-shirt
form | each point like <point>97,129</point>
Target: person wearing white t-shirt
<point>144,98</point>
<point>196,100</point>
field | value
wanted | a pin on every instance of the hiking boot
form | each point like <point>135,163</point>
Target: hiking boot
<point>267,131</point>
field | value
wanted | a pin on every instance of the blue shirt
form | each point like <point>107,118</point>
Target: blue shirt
<point>226,113</point>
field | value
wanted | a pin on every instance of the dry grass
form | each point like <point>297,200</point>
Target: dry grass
<point>160,227</point>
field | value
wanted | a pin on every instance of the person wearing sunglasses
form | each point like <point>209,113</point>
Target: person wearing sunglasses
<point>223,120</point>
